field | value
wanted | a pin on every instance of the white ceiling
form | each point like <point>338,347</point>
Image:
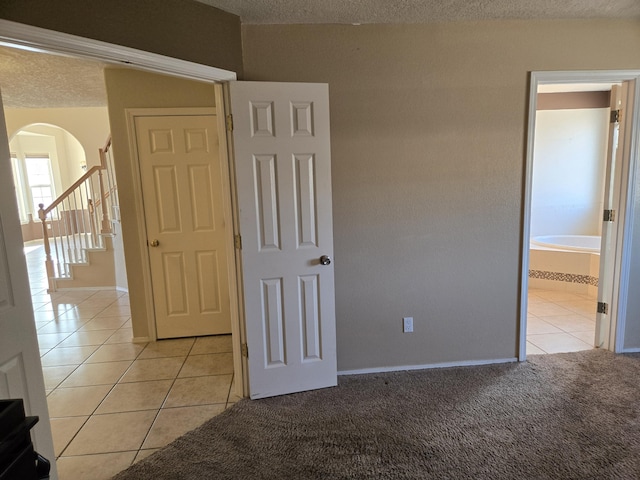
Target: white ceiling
<point>420,11</point>
<point>36,80</point>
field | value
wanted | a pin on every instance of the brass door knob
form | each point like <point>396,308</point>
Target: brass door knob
<point>154,243</point>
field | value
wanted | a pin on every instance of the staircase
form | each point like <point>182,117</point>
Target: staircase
<point>77,229</point>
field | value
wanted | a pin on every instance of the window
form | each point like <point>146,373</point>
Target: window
<point>19,184</point>
<point>40,181</point>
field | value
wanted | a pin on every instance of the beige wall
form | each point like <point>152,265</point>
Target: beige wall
<point>428,138</point>
<point>182,29</point>
<point>135,89</point>
<point>90,126</point>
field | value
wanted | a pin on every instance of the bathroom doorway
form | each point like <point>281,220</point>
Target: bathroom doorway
<point>569,185</point>
<point>569,170</point>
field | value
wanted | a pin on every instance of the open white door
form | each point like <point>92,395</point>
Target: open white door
<point>605,331</point>
<point>20,368</point>
<point>283,178</point>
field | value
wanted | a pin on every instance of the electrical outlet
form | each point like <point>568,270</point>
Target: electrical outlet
<point>407,324</point>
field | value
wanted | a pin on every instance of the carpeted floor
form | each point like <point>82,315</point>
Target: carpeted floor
<point>562,416</point>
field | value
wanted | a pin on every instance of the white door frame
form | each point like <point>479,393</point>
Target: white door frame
<point>32,38</point>
<point>625,223</point>
<point>36,39</point>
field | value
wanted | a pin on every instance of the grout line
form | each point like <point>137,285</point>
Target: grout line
<point>164,401</point>
<point>58,298</point>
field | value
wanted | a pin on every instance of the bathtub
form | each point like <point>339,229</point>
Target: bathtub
<point>568,243</point>
<point>565,262</point>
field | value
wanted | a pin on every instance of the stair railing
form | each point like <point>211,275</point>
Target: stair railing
<point>70,223</point>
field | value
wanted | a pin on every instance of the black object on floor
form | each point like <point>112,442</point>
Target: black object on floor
<point>18,460</point>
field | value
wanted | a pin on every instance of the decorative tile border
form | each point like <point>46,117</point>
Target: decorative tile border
<point>564,277</point>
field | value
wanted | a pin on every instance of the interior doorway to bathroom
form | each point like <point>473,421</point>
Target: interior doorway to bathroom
<point>576,169</point>
<point>569,166</point>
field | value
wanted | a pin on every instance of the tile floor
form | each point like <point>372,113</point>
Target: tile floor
<point>559,322</point>
<point>112,402</point>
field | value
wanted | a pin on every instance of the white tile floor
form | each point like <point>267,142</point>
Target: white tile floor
<point>559,322</point>
<point>113,402</point>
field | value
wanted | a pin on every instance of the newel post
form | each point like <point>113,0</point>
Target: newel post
<point>42,215</point>
<point>106,224</point>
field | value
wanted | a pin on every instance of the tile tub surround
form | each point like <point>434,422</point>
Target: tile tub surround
<point>112,402</point>
<point>575,272</point>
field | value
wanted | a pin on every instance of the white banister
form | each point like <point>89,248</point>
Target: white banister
<point>77,219</point>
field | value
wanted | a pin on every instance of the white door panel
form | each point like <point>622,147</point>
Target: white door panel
<point>605,336</point>
<point>20,367</point>
<point>283,176</point>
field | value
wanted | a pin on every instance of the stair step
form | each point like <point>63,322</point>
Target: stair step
<point>94,257</point>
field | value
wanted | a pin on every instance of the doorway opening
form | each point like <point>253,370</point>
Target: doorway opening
<point>85,334</point>
<point>576,227</point>
<point>569,171</point>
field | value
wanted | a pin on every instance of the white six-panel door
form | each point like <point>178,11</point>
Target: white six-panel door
<point>20,368</point>
<point>605,334</point>
<point>181,176</point>
<point>283,176</point>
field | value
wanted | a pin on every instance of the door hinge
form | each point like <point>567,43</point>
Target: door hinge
<point>615,116</point>
<point>229,123</point>
<point>609,216</point>
<point>244,350</point>
<point>237,241</point>
<point>603,308</point>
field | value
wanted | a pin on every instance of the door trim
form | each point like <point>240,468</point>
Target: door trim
<point>240,362</point>
<point>625,225</point>
<point>38,39</point>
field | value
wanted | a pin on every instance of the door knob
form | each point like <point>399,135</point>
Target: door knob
<point>154,243</point>
<point>325,260</point>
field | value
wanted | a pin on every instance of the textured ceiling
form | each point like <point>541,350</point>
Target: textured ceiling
<point>38,80</point>
<point>420,11</point>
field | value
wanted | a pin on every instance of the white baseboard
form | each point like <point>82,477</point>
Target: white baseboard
<point>630,350</point>
<point>141,340</point>
<point>464,363</point>
<point>80,289</point>
<point>122,289</point>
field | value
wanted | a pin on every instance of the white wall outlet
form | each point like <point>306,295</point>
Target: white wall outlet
<point>407,324</point>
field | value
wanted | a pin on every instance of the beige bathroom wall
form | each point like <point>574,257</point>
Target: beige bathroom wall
<point>428,126</point>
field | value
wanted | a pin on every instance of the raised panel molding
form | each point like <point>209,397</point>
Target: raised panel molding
<point>175,283</point>
<point>202,206</point>
<point>161,141</point>
<point>305,192</point>
<point>196,140</point>
<point>168,205</point>
<point>262,119</point>
<point>302,119</point>
<point>13,380</point>
<point>209,281</point>
<point>267,202</point>
<point>273,323</point>
<point>309,292</point>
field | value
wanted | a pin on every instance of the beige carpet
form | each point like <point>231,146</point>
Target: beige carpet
<point>562,416</point>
